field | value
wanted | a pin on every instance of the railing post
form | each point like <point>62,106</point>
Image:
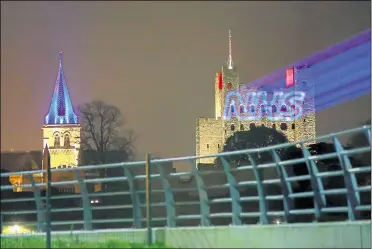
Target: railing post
<point>367,132</point>
<point>39,205</point>
<point>1,223</point>
<point>169,200</point>
<point>48,226</point>
<point>286,186</point>
<point>316,183</point>
<point>261,192</point>
<point>137,214</point>
<point>148,200</point>
<point>234,192</point>
<point>353,198</point>
<point>203,196</point>
<point>87,209</point>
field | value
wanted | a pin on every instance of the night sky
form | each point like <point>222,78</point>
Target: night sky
<point>157,61</point>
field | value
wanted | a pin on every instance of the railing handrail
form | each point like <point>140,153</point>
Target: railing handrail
<point>175,159</point>
<point>251,174</point>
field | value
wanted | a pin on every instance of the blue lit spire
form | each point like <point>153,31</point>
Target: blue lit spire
<point>61,111</point>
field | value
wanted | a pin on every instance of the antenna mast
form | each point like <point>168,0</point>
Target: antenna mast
<point>230,64</point>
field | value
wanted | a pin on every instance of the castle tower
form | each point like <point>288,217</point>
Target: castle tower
<point>211,133</point>
<point>226,80</point>
<point>61,129</point>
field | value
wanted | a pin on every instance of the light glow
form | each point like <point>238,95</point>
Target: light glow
<point>289,77</point>
<point>220,81</point>
<point>15,229</point>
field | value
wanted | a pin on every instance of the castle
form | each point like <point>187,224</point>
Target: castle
<point>211,133</point>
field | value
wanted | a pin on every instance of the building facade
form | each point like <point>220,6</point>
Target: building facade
<point>212,132</point>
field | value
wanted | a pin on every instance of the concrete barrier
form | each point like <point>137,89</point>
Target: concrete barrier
<point>355,234</point>
<point>314,235</point>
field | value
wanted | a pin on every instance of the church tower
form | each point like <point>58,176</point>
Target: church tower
<point>61,129</point>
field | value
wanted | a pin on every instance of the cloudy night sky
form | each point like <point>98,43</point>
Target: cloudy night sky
<point>157,61</point>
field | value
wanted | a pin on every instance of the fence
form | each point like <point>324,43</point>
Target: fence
<point>284,183</point>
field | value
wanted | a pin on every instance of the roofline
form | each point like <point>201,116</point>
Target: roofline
<point>60,125</point>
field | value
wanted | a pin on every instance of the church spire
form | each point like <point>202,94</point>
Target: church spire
<point>60,111</point>
<point>230,64</point>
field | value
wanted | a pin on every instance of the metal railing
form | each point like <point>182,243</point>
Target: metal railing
<point>243,187</point>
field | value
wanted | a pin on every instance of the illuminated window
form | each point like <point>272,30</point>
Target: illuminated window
<point>252,109</point>
<point>66,141</point>
<point>233,127</point>
<point>57,141</point>
<point>252,125</point>
<point>283,126</point>
<point>242,127</point>
<point>241,109</point>
<point>274,126</point>
<point>273,108</point>
<point>263,109</point>
<point>293,126</point>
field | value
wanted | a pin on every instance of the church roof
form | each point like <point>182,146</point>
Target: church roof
<point>21,161</point>
<point>61,110</point>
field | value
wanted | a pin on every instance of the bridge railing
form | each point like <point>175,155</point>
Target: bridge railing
<point>284,183</point>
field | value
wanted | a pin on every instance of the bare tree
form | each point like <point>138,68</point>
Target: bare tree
<point>103,131</point>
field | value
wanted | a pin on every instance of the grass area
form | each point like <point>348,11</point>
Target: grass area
<point>39,242</point>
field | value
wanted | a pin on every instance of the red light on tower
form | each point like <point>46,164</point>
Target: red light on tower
<point>289,77</point>
<point>220,83</point>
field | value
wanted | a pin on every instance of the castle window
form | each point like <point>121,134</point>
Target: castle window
<point>241,127</point>
<point>57,141</point>
<point>252,125</point>
<point>293,126</point>
<point>207,146</point>
<point>273,108</point>
<point>274,126</point>
<point>283,126</point>
<point>241,109</point>
<point>66,142</point>
<point>252,109</point>
<point>233,127</point>
<point>304,120</point>
<point>232,109</point>
<point>218,145</point>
